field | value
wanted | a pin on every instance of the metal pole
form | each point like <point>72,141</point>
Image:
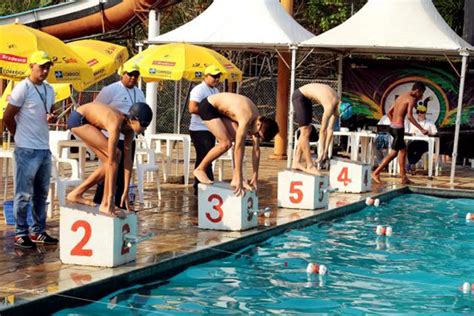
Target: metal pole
<point>289,149</point>
<point>152,87</point>
<point>464,55</point>
<point>140,49</point>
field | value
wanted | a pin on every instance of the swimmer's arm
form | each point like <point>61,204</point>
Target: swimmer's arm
<point>127,166</point>
<point>239,149</point>
<point>255,161</point>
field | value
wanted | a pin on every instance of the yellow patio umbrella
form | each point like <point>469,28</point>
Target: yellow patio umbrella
<point>104,59</point>
<point>18,42</point>
<point>62,91</point>
<point>178,61</point>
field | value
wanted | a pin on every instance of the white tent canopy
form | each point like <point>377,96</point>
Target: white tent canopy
<point>408,27</point>
<point>400,27</point>
<point>240,24</point>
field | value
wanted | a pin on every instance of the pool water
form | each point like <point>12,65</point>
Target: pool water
<point>419,269</point>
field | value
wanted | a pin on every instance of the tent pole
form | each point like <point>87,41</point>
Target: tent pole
<point>339,75</point>
<point>289,149</point>
<point>152,87</point>
<point>464,55</point>
<point>179,106</point>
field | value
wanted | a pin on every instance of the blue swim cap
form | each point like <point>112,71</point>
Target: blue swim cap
<point>345,111</point>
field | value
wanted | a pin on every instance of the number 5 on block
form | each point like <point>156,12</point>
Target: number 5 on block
<point>302,190</point>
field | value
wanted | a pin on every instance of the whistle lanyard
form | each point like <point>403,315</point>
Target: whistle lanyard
<point>134,95</point>
<point>45,99</point>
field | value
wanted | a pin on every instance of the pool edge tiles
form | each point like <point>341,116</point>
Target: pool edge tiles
<point>127,275</point>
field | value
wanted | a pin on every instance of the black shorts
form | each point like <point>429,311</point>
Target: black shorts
<point>303,108</point>
<point>398,135</point>
<point>75,120</point>
<point>207,112</point>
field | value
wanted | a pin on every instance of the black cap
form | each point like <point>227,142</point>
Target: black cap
<point>141,112</point>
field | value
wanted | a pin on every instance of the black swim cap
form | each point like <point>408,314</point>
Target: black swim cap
<point>141,112</point>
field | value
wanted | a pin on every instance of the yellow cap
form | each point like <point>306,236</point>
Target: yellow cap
<point>212,70</point>
<point>40,58</point>
<point>421,108</point>
<point>128,68</point>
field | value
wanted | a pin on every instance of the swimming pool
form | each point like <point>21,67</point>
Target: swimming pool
<point>419,269</point>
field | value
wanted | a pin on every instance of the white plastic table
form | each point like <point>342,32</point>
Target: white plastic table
<point>6,154</point>
<point>433,153</point>
<point>170,139</point>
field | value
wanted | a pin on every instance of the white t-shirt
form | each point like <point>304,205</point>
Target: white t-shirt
<point>120,97</point>
<point>31,121</point>
<point>426,124</point>
<point>198,93</point>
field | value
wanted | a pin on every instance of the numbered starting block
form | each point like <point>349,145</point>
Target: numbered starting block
<point>350,176</point>
<point>88,237</point>
<point>220,209</point>
<point>302,190</point>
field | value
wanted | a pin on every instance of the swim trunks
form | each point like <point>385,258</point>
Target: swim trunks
<point>398,135</point>
<point>75,120</point>
<point>207,112</point>
<point>303,108</point>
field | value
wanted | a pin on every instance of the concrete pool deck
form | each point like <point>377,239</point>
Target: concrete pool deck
<point>31,280</point>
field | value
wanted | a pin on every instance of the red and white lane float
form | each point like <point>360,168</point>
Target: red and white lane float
<point>470,217</point>
<point>384,231</point>
<point>314,268</point>
<point>372,202</point>
<point>467,288</point>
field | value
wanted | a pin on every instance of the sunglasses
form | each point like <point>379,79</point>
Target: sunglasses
<point>135,74</point>
<point>216,76</point>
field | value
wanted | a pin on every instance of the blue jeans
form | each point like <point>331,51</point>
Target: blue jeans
<point>32,178</point>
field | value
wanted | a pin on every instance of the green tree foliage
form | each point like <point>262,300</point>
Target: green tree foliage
<point>15,6</point>
<point>453,13</point>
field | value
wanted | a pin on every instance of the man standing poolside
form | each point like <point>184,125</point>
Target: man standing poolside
<point>230,117</point>
<point>121,95</point>
<point>202,138</point>
<point>87,122</point>
<point>403,107</point>
<point>27,116</point>
<point>303,99</point>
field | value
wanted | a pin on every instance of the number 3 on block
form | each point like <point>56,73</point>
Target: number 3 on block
<point>344,176</point>
<point>217,208</point>
<point>297,194</point>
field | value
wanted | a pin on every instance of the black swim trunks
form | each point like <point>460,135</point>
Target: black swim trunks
<point>398,135</point>
<point>75,120</point>
<point>303,108</point>
<point>207,112</point>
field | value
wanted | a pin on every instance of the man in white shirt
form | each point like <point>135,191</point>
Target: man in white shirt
<point>121,95</point>
<point>203,140</point>
<point>417,148</point>
<point>27,116</point>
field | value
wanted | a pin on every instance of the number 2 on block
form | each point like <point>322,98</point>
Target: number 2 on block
<point>79,250</point>
<point>344,176</point>
<point>217,207</point>
<point>297,196</point>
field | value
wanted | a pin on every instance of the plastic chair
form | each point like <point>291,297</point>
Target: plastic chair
<point>54,138</point>
<point>228,156</point>
<point>61,182</point>
<point>145,163</point>
<point>316,127</point>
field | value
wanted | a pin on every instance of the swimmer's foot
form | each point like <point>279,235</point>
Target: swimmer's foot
<point>201,176</point>
<point>313,170</point>
<point>376,178</point>
<point>405,180</point>
<point>76,198</point>
<point>117,212</point>
<point>298,166</point>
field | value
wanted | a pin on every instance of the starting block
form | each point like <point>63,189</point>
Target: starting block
<point>297,189</point>
<point>220,209</point>
<point>88,237</point>
<point>350,176</point>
